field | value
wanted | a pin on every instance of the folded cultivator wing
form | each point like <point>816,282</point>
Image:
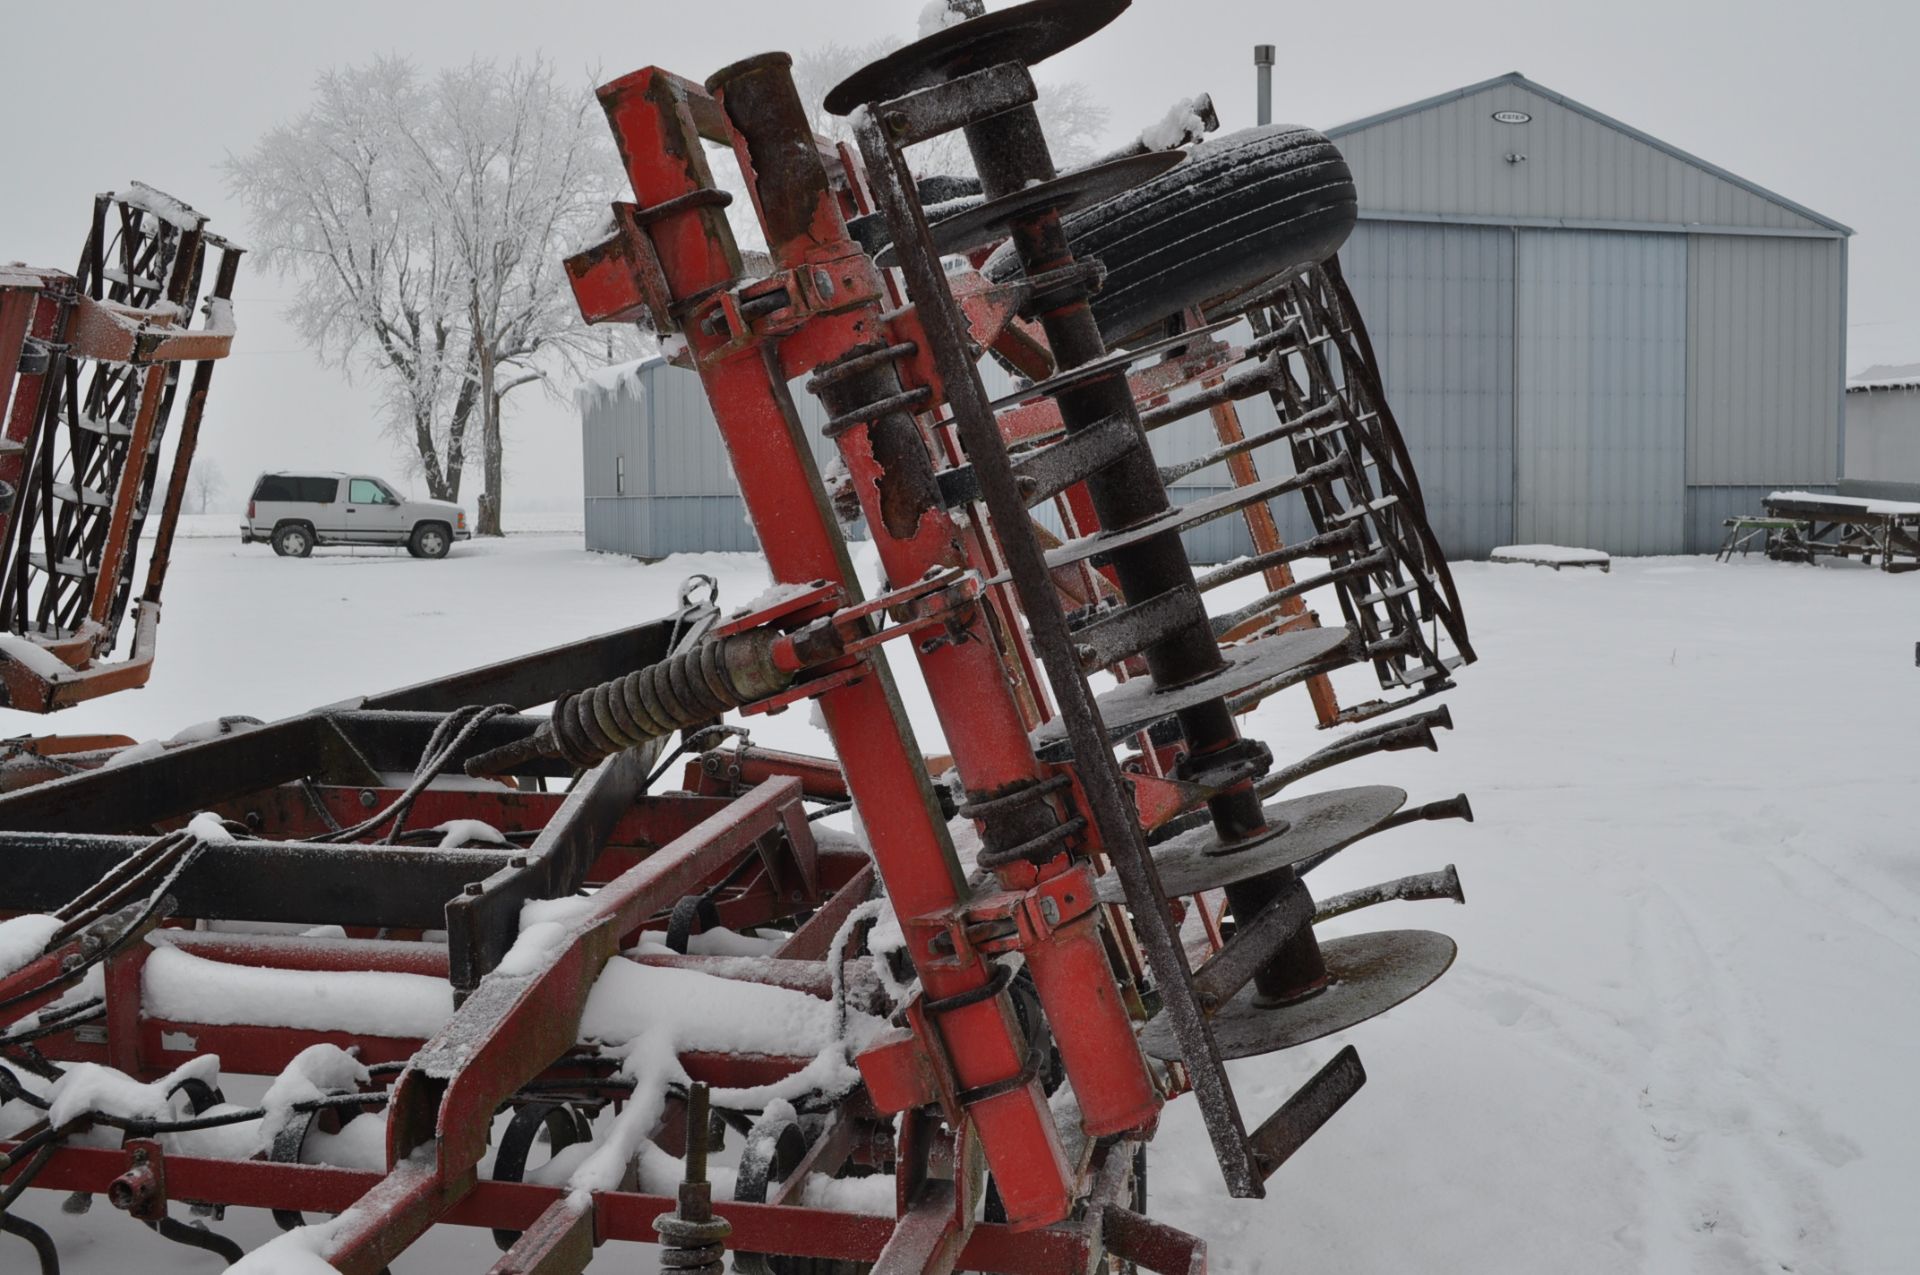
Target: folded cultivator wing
<point>93,371</point>
<point>941,1045</point>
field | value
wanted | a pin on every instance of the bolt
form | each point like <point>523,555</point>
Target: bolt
<point>367,799</point>
<point>824,283</point>
<point>473,888</point>
<point>518,861</point>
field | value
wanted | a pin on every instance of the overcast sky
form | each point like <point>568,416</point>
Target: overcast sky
<point>1816,102</point>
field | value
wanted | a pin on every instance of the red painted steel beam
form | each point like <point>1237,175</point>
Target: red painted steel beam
<point>618,1215</point>
<point>514,1026</point>
<point>887,458</point>
<point>659,120</point>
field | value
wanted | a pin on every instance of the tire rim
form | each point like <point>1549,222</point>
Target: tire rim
<point>433,543</point>
<point>296,542</point>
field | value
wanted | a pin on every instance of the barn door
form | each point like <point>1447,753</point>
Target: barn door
<point>1600,390</point>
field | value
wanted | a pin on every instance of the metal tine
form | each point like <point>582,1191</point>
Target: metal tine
<point>1224,624</point>
<point>1252,696</point>
<point>1312,1105</point>
<point>1348,538</point>
<point>1251,947</point>
<point>1444,884</point>
<point>1456,807</point>
<point>1370,709</point>
<point>1050,470</point>
<point>1263,377</point>
<point>1105,542</point>
<point>1105,365</point>
<point>1389,737</point>
<point>1173,473</point>
<point>1131,630</point>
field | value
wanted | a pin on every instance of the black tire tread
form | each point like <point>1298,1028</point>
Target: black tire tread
<point>1242,209</point>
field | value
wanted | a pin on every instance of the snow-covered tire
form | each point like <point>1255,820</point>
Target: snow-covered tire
<point>1242,209</point>
<point>293,540</point>
<point>430,540</point>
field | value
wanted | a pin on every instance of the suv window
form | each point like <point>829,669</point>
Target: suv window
<point>365,491</point>
<point>297,489</point>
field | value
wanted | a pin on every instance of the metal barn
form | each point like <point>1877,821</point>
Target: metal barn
<point>1590,336</point>
<point>656,476</point>
<point>1883,431</point>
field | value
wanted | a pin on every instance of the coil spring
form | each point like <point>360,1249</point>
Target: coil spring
<point>1037,849</point>
<point>688,1247</point>
<point>856,362</point>
<point>651,703</point>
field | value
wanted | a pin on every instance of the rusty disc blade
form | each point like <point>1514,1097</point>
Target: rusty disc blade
<point>1026,33</point>
<point>1369,973</point>
<point>1309,826</point>
<point>993,221</point>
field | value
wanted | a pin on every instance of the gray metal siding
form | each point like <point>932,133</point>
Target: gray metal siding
<point>1449,159</point>
<point>680,495</point>
<point>1438,303</point>
<point>1708,509</point>
<point>1883,435</point>
<point>1765,355</point>
<point>1601,380</point>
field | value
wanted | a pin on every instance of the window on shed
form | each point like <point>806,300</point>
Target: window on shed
<point>619,475</point>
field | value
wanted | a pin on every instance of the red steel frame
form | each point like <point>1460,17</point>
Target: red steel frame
<point>659,121</point>
<point>963,1049</point>
<point>46,312</point>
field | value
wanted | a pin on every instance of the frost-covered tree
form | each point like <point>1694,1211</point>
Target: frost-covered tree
<point>334,206</point>
<point>427,219</point>
<point>518,167</point>
<point>205,482</point>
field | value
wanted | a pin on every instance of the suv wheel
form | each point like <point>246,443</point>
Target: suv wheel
<point>292,540</point>
<point>430,540</point>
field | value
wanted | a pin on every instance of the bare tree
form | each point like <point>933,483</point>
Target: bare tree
<point>205,482</point>
<point>333,198</point>
<point>426,221</point>
<point>517,166</point>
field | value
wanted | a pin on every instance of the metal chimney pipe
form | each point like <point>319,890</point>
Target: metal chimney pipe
<point>1263,70</point>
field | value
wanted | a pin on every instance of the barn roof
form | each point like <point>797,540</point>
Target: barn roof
<point>1592,170</point>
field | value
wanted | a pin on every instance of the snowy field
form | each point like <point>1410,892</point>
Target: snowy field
<point>1684,1026</point>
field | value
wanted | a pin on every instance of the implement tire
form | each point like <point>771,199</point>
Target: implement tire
<point>1241,210</point>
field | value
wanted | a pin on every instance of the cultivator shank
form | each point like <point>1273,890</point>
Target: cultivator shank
<point>969,1016</point>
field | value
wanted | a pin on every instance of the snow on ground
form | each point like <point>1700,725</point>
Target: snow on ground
<point>1680,1035</point>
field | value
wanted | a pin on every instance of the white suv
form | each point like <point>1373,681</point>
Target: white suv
<point>293,512</point>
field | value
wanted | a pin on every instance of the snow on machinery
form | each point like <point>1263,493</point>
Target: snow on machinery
<point>93,380</point>
<point>945,1045</point>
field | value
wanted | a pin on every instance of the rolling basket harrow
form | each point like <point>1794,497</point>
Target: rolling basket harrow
<point>944,1043</point>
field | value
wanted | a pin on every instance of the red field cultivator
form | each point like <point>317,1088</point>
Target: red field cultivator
<point>93,372</point>
<point>720,1023</point>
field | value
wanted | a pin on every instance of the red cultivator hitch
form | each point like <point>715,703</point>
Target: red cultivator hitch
<point>942,1044</point>
<point>93,370</point>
